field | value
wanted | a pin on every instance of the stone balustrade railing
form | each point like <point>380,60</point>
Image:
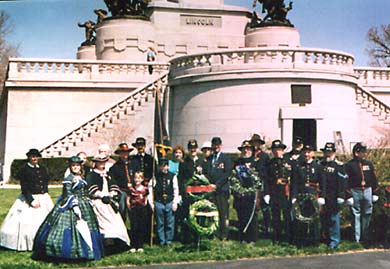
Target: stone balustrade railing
<point>373,76</point>
<point>81,70</point>
<point>108,117</point>
<point>372,104</point>
<point>264,58</point>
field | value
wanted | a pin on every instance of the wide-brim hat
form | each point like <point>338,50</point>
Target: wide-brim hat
<point>33,152</point>
<point>329,146</point>
<point>245,144</point>
<point>192,144</point>
<point>75,159</point>
<point>100,158</point>
<point>256,138</point>
<point>122,147</point>
<point>206,145</point>
<point>278,144</point>
<point>140,141</point>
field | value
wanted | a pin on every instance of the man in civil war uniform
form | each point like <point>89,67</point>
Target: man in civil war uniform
<point>246,204</point>
<point>123,172</point>
<point>261,164</point>
<point>362,190</point>
<point>308,178</point>
<point>277,191</point>
<point>335,176</point>
<point>191,165</point>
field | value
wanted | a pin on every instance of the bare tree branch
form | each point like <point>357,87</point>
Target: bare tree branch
<point>378,47</point>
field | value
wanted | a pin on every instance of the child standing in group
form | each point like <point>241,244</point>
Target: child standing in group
<point>137,204</point>
<point>164,202</point>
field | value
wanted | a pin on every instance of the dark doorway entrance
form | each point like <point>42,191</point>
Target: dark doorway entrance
<point>307,129</point>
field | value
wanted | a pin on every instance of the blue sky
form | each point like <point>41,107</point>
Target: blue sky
<point>48,28</point>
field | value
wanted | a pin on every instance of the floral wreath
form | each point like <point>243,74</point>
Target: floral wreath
<point>203,208</point>
<point>198,180</point>
<point>297,212</point>
<point>238,174</point>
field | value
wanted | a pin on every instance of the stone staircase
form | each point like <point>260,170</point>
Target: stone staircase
<point>369,102</point>
<point>128,119</point>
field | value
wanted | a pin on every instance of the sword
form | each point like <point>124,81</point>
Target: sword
<point>252,214</point>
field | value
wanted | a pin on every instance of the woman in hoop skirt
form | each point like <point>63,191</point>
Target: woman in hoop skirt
<point>30,209</point>
<point>71,230</point>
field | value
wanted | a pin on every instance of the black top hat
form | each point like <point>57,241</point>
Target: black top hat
<point>278,144</point>
<point>329,146</point>
<point>308,148</point>
<point>100,158</point>
<point>359,147</point>
<point>33,152</point>
<point>297,140</point>
<point>245,144</point>
<point>75,159</point>
<point>122,147</point>
<point>216,141</point>
<point>163,161</point>
<point>257,138</point>
<point>140,141</point>
<point>192,144</point>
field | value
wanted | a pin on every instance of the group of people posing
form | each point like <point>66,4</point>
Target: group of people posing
<point>98,200</point>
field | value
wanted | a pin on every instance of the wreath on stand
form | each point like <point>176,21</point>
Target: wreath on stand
<point>203,217</point>
<point>203,214</point>
<point>198,188</point>
<point>306,208</point>
<point>238,175</point>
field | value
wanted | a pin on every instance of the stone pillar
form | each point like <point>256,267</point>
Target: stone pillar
<point>272,36</point>
<point>86,52</point>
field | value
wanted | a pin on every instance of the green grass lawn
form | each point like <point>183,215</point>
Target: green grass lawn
<point>209,249</point>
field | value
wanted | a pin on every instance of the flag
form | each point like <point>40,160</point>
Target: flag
<point>162,141</point>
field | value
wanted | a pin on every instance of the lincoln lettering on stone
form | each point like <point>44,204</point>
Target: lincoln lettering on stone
<point>201,21</point>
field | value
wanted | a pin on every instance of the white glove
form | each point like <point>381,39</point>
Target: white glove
<point>350,201</point>
<point>293,200</point>
<point>77,211</point>
<point>340,200</point>
<point>267,198</point>
<point>112,194</point>
<point>321,201</point>
<point>375,198</point>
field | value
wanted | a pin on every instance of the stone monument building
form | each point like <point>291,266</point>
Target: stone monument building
<point>219,72</point>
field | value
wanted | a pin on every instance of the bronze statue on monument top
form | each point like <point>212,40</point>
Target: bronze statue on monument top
<point>276,13</point>
<point>123,8</point>
<point>89,33</point>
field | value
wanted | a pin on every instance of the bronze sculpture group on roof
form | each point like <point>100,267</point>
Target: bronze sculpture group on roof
<point>118,8</point>
<point>276,13</point>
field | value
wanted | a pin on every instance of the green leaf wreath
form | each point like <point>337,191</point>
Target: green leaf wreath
<point>198,180</point>
<point>203,217</point>
<point>302,198</point>
<point>236,181</point>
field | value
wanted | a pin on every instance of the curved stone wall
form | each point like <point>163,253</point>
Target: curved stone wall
<point>233,94</point>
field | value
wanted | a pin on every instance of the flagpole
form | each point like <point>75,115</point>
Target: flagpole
<point>154,172</point>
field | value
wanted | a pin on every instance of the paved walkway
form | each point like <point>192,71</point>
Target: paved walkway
<point>364,260</point>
